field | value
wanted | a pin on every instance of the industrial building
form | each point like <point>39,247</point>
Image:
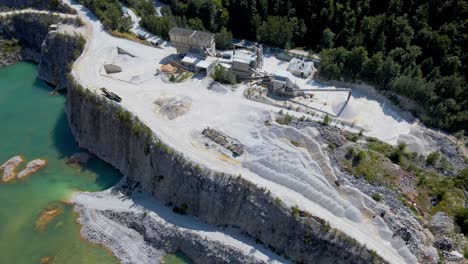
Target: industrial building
<point>301,67</point>
<point>283,84</point>
<point>192,41</point>
<point>195,63</point>
<point>244,62</point>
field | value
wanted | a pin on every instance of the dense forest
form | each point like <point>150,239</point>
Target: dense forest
<point>414,48</point>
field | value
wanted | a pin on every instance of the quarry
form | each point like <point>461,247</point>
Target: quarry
<point>219,155</point>
<point>299,176</point>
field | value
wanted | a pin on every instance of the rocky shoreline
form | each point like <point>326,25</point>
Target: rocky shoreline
<point>9,56</point>
<point>139,229</point>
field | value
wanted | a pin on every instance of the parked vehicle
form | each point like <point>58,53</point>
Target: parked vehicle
<point>110,95</point>
<point>142,35</point>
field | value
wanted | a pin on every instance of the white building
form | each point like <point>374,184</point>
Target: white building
<point>284,83</point>
<point>199,65</point>
<point>301,67</point>
<point>243,61</point>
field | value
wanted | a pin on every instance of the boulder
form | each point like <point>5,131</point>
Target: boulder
<point>9,168</point>
<point>79,158</point>
<point>444,244</point>
<point>32,167</point>
<point>441,224</point>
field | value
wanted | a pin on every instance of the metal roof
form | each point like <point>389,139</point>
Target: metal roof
<point>244,56</point>
<point>191,59</point>
<point>181,31</point>
<point>198,35</point>
<point>203,36</point>
<point>206,63</point>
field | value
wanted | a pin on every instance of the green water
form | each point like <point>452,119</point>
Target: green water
<point>33,125</point>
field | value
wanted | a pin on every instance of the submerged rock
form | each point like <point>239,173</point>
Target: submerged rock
<point>80,158</point>
<point>9,168</point>
<point>32,167</point>
<point>47,260</point>
<point>46,217</point>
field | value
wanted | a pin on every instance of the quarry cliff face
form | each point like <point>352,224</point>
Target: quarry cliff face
<point>112,134</point>
<point>58,52</point>
<point>52,50</point>
<point>29,30</point>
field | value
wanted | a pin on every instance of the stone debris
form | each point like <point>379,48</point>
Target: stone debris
<point>9,168</point>
<point>441,223</point>
<point>139,234</point>
<point>32,167</point>
<point>445,244</point>
<point>173,107</point>
<point>453,256</point>
<point>80,158</point>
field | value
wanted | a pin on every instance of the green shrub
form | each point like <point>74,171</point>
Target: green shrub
<point>277,200</point>
<point>396,156</point>
<point>379,146</point>
<point>109,13</point>
<point>433,158</point>
<point>350,153</point>
<point>124,116</point>
<point>327,119</point>
<point>377,197</point>
<point>9,46</point>
<point>295,210</point>
<point>136,128</point>
<point>159,26</point>
<point>352,137</point>
<point>461,180</point>
<point>461,218</point>
<point>223,75</point>
<point>360,157</point>
<point>285,120</point>
<point>295,143</point>
<point>223,39</point>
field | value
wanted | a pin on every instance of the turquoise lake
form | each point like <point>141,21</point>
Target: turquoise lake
<point>34,125</point>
